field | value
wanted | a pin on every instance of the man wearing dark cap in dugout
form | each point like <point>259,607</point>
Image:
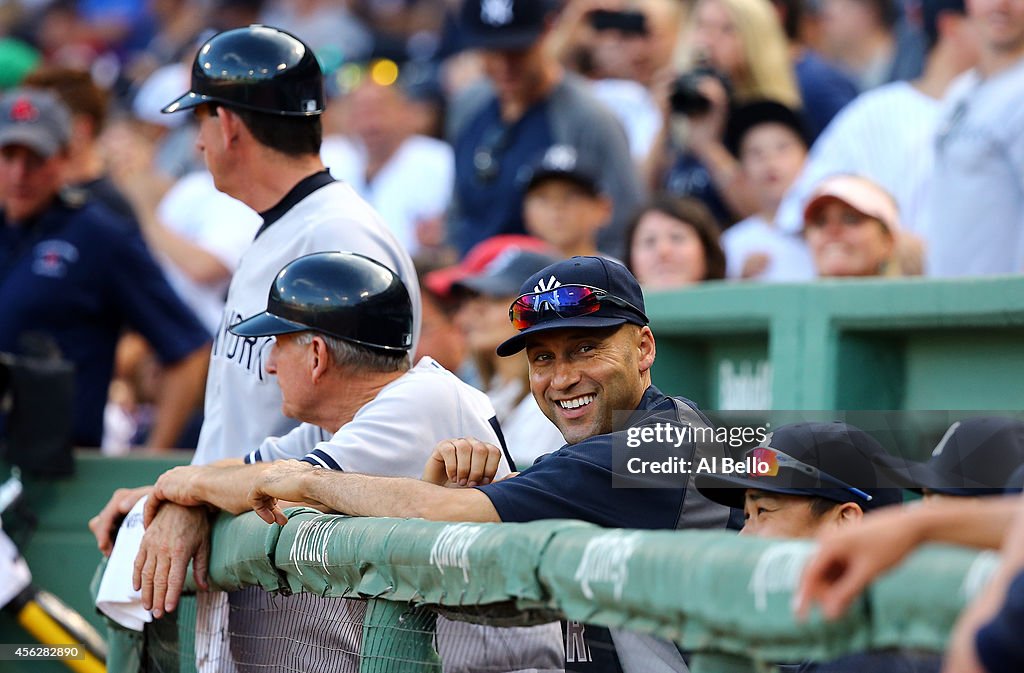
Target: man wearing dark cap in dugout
<point>590,353</point>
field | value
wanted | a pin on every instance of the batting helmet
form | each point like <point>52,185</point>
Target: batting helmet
<point>257,68</point>
<point>343,294</point>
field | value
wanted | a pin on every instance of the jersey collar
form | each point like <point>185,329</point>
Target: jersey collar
<point>304,188</point>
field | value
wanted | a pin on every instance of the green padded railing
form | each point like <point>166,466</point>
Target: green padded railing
<point>724,597</point>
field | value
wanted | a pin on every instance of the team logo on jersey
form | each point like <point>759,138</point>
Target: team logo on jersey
<point>496,12</point>
<point>53,257</point>
<point>248,352</point>
<point>577,651</point>
<point>544,286</point>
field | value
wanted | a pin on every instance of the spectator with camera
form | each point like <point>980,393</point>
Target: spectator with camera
<point>734,52</point>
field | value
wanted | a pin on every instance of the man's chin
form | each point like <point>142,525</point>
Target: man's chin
<point>575,433</point>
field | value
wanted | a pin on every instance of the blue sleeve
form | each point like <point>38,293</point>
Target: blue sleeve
<point>1000,647</point>
<point>145,300</point>
<point>825,91</point>
<point>575,482</point>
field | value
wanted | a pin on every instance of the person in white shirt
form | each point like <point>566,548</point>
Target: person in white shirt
<point>888,134</point>
<point>407,177</point>
<point>221,227</point>
<point>974,223</point>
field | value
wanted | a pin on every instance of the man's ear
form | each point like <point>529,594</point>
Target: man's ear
<point>848,513</point>
<point>647,349</point>
<point>231,126</point>
<point>319,359</point>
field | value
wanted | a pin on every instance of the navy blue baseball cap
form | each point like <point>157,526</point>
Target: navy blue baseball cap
<point>503,25</point>
<point>835,461</point>
<point>625,300</point>
<point>562,162</point>
<point>973,458</point>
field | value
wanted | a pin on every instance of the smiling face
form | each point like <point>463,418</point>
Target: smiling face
<point>580,376</point>
<point>846,242</point>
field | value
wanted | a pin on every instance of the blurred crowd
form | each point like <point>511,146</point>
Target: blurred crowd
<point>748,140</point>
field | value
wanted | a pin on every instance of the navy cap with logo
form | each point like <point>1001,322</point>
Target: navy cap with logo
<point>503,275</point>
<point>503,24</point>
<point>562,162</point>
<point>585,292</point>
<point>835,461</point>
<point>35,119</point>
<point>973,458</point>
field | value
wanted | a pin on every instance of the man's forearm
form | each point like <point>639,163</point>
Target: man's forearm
<point>227,486</point>
<point>981,523</point>
<point>365,495</point>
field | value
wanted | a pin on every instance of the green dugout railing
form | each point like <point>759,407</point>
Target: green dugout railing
<point>723,597</point>
<point>844,344</point>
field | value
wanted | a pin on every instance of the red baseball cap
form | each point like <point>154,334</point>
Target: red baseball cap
<point>480,255</point>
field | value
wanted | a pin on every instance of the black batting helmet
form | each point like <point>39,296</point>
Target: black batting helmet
<point>257,68</point>
<point>343,294</point>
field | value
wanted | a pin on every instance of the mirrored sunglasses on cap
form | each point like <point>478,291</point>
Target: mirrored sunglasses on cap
<point>776,459</point>
<point>567,301</point>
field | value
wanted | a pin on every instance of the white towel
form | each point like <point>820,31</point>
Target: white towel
<point>116,597</point>
<point>13,569</point>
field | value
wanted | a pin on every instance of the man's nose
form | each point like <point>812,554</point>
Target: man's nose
<point>271,364</point>
<point>566,375</point>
